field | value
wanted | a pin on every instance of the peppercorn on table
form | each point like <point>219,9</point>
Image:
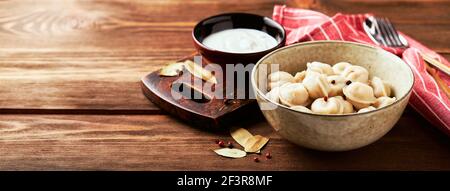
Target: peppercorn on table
<point>70,97</point>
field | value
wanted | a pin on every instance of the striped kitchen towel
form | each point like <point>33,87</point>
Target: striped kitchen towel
<point>427,97</point>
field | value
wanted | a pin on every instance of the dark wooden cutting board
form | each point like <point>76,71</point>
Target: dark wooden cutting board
<point>212,113</point>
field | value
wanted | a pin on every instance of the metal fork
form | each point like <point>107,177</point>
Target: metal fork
<point>382,31</point>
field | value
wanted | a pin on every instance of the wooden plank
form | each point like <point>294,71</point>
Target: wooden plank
<point>91,55</point>
<point>85,80</point>
<point>143,25</point>
<point>104,82</point>
<point>434,36</point>
<point>54,25</point>
<point>80,56</point>
<point>158,142</point>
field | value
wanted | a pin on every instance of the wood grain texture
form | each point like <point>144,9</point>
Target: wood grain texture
<point>70,97</point>
<point>88,142</point>
<point>84,80</point>
<point>110,25</point>
<point>64,83</point>
<point>61,55</point>
<point>75,55</point>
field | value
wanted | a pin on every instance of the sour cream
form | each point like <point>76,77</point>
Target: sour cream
<point>240,41</point>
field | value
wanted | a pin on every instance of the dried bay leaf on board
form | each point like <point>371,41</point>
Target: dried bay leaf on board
<point>199,72</point>
<point>172,69</point>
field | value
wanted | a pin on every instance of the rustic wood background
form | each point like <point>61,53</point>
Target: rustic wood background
<point>70,96</point>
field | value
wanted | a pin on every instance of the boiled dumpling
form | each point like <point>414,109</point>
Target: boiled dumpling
<point>316,84</point>
<point>336,84</point>
<point>279,78</point>
<point>294,94</point>
<point>356,74</point>
<point>274,94</point>
<point>299,76</point>
<point>327,106</point>
<point>359,94</point>
<point>276,84</point>
<point>339,89</point>
<point>384,101</point>
<point>301,108</point>
<point>338,68</point>
<point>367,109</point>
<point>348,107</point>
<point>380,88</point>
<point>320,67</point>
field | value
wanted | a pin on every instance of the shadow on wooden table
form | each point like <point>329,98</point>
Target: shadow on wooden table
<point>411,142</point>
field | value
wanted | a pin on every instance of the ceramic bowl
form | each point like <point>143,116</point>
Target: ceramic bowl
<point>334,132</point>
<point>230,21</point>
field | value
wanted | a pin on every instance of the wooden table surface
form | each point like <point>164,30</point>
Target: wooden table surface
<point>70,97</point>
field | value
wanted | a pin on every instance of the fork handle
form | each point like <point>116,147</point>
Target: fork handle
<point>442,67</point>
<point>438,79</point>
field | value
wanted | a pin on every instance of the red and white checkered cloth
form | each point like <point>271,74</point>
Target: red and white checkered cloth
<point>427,98</point>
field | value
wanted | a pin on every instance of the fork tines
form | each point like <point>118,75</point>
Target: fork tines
<point>388,33</point>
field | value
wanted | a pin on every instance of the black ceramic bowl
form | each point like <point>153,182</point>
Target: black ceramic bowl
<point>231,21</point>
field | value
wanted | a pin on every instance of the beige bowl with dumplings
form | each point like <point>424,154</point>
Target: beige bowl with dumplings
<point>334,132</point>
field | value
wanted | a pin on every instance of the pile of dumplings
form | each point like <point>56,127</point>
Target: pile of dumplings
<point>324,89</point>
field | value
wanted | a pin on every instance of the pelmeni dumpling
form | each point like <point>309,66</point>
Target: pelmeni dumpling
<point>274,95</point>
<point>327,106</point>
<point>276,84</point>
<point>341,89</point>
<point>294,94</point>
<point>380,88</point>
<point>339,67</point>
<point>301,108</point>
<point>348,107</point>
<point>359,94</point>
<point>299,76</point>
<point>336,84</point>
<point>320,67</point>
<point>316,84</point>
<point>356,74</point>
<point>384,101</point>
<point>366,109</point>
<point>279,78</point>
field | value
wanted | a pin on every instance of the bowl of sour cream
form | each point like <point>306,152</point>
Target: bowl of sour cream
<point>237,37</point>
